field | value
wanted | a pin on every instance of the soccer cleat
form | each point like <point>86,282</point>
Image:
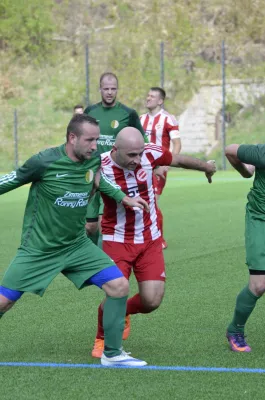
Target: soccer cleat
<point>99,343</point>
<point>124,359</point>
<point>127,328</point>
<point>237,342</point>
<point>164,244</point>
<point>98,348</point>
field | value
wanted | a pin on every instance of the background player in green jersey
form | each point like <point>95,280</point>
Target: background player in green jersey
<point>53,235</point>
<point>112,116</point>
<point>247,159</point>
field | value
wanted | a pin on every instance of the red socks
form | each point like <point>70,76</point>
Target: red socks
<point>100,331</point>
<point>134,305</point>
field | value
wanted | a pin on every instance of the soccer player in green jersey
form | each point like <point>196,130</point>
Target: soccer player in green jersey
<point>247,159</point>
<point>53,235</point>
<point>112,116</point>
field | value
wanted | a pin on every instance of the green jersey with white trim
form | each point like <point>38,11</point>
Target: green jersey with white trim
<point>255,155</point>
<point>58,197</point>
<point>111,121</point>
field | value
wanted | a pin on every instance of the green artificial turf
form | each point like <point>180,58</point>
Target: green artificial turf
<point>205,259</point>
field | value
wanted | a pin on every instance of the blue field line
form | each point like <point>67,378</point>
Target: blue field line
<point>148,367</point>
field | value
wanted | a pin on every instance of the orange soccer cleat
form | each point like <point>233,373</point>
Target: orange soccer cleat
<point>127,327</point>
<point>98,348</point>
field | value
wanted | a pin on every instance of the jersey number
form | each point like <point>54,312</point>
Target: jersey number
<point>133,191</point>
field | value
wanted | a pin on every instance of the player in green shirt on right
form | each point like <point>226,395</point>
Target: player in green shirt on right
<point>112,117</point>
<point>247,159</point>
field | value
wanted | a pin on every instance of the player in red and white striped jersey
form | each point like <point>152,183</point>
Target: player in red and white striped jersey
<point>125,225</point>
<point>161,129</point>
<point>131,237</point>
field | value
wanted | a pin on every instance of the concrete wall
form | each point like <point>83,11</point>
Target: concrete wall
<point>200,122</point>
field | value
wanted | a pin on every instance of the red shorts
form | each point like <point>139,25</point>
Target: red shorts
<point>159,183</point>
<point>146,260</point>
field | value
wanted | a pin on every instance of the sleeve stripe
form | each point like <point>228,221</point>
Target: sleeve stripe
<point>8,178</point>
<point>174,135</point>
<point>109,181</point>
<point>151,146</point>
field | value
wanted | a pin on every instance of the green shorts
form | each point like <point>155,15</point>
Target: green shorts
<point>255,241</point>
<point>32,270</point>
<point>95,208</point>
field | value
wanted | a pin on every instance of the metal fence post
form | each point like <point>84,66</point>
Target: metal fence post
<point>87,74</point>
<point>223,107</point>
<point>16,138</point>
<point>162,65</point>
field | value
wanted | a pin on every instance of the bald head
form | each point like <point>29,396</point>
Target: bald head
<point>129,138</point>
<point>128,148</point>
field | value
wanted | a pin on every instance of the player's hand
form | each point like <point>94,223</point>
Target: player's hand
<point>161,171</point>
<point>250,169</point>
<point>211,170</point>
<point>135,202</point>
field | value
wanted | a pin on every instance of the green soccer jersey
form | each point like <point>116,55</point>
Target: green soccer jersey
<point>255,155</point>
<point>111,121</point>
<point>58,197</point>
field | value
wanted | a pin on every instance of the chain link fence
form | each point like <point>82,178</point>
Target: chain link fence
<point>205,90</point>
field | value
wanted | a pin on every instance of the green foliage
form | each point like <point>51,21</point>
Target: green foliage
<point>26,27</point>
<point>232,109</point>
<point>63,99</point>
<point>124,37</point>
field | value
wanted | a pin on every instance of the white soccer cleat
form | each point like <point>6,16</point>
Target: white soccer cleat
<point>122,360</point>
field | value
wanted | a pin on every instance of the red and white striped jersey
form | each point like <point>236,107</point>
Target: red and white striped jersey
<point>160,128</point>
<point>124,224</point>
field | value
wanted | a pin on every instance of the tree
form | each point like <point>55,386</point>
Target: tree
<point>26,28</point>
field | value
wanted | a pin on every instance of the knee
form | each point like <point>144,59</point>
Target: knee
<point>258,288</point>
<point>151,303</point>
<point>120,287</point>
<point>117,287</point>
<point>5,304</point>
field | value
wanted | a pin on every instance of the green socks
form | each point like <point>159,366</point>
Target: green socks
<point>113,323</point>
<point>245,304</point>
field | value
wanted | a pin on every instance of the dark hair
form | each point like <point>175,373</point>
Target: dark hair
<point>78,106</point>
<point>110,74</point>
<point>161,91</point>
<point>75,125</point>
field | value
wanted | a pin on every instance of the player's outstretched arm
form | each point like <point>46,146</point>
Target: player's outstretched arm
<point>9,182</point>
<point>246,170</point>
<point>30,171</point>
<point>110,188</point>
<point>187,162</point>
<point>176,145</point>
